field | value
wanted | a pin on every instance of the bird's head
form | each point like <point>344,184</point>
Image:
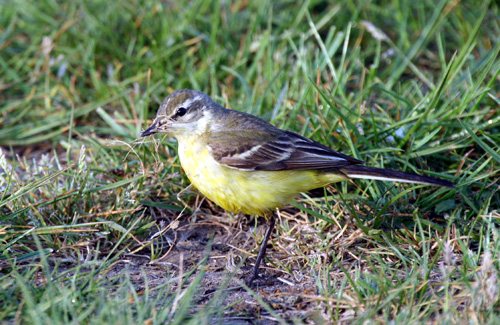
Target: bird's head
<point>184,111</point>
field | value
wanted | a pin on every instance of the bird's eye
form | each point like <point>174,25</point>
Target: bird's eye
<point>181,111</point>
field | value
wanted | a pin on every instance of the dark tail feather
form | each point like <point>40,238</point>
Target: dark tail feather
<point>392,175</point>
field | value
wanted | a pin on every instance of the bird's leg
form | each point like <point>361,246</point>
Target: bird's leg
<point>262,250</point>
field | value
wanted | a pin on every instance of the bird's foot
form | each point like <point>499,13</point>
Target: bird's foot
<point>255,280</point>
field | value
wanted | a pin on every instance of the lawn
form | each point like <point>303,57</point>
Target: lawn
<point>98,225</point>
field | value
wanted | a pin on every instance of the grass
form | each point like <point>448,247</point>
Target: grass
<point>89,213</point>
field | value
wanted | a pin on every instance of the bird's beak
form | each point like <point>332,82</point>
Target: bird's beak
<point>150,130</point>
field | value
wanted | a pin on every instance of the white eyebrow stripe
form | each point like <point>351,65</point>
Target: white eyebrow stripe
<point>189,101</point>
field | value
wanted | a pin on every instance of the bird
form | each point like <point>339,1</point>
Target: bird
<point>246,165</point>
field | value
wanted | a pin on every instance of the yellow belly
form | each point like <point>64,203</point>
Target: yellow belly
<point>250,192</point>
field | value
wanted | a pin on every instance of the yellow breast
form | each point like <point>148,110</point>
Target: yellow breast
<point>250,192</point>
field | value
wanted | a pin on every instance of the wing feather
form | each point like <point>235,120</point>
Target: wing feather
<point>249,143</point>
<point>276,150</point>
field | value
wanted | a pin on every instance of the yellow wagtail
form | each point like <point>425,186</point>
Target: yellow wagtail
<point>244,164</point>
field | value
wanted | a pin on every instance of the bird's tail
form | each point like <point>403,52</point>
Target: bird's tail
<point>392,175</point>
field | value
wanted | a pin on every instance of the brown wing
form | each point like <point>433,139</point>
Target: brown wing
<point>274,149</point>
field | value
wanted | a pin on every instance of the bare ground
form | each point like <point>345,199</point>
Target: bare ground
<point>288,287</point>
